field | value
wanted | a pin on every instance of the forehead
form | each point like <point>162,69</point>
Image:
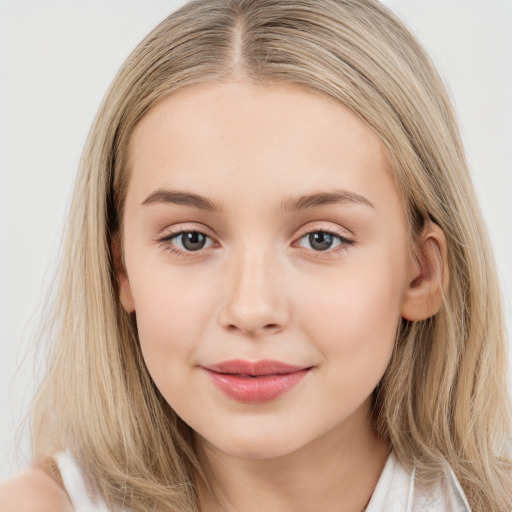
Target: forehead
<point>211,109</point>
<point>257,140</point>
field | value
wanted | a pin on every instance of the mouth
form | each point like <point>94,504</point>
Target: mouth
<point>255,382</point>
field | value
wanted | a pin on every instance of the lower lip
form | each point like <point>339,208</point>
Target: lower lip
<point>255,390</point>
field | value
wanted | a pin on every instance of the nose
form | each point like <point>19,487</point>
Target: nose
<point>255,302</point>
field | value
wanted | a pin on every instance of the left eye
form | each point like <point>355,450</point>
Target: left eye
<point>322,240</point>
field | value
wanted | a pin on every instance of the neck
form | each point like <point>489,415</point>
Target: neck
<point>337,471</point>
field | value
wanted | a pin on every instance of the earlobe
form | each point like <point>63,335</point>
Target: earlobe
<point>428,276</point>
<point>125,293</point>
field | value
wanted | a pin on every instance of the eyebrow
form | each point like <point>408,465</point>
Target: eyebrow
<point>324,198</point>
<point>192,200</point>
<point>183,198</point>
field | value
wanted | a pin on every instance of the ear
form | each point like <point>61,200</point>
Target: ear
<point>428,275</point>
<point>125,292</point>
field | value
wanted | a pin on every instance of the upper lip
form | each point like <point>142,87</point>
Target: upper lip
<point>254,368</point>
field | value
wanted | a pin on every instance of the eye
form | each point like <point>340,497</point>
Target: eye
<point>186,241</point>
<point>323,240</point>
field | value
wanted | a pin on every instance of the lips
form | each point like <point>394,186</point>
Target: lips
<point>255,382</point>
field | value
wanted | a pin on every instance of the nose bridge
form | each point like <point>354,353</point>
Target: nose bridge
<point>254,301</point>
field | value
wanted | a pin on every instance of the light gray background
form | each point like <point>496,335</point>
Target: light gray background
<point>56,61</point>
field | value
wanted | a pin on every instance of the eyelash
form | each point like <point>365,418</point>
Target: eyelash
<point>165,242</point>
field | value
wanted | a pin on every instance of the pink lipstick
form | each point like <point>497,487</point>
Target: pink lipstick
<point>255,382</point>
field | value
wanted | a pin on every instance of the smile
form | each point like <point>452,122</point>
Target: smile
<point>255,382</point>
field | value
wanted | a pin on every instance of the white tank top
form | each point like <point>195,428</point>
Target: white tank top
<point>395,490</point>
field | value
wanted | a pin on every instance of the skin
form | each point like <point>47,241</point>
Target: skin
<point>261,289</point>
<point>33,491</point>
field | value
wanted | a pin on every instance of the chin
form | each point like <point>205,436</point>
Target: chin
<point>255,445</point>
<point>258,449</point>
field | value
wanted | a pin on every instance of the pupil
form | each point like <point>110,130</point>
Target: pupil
<point>320,241</point>
<point>193,240</point>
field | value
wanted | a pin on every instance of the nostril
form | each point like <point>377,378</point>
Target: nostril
<point>248,330</point>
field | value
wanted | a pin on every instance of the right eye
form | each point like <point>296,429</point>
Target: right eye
<point>184,242</point>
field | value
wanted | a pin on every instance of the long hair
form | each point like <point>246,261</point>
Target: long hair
<point>443,398</point>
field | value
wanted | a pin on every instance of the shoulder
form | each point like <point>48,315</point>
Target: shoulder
<point>33,490</point>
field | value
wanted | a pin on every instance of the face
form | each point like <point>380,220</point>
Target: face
<point>266,256</point>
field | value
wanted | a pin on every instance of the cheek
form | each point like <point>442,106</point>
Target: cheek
<point>354,322</point>
<point>172,315</point>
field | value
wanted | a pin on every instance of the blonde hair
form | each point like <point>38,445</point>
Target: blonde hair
<point>443,399</point>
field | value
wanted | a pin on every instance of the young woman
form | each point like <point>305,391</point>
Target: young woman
<point>277,290</point>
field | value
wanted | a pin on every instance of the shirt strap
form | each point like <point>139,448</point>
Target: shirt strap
<point>76,486</point>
